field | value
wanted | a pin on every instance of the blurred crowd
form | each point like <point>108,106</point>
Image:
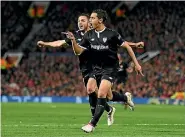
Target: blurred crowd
<point>63,17</point>
<point>15,24</point>
<point>164,76</point>
<point>44,75</point>
<point>160,25</point>
<point>156,23</point>
<point>53,75</point>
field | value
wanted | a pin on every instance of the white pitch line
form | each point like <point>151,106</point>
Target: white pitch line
<point>52,125</point>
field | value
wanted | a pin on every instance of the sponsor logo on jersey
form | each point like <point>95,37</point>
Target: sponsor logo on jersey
<point>99,47</point>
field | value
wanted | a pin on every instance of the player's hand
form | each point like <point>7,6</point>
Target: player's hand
<point>138,69</point>
<point>70,35</point>
<point>41,43</point>
<point>140,45</point>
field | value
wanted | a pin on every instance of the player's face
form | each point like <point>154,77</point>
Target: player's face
<point>94,20</point>
<point>83,23</point>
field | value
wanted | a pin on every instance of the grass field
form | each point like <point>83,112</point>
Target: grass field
<point>66,120</point>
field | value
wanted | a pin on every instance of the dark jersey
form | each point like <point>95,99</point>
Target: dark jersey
<point>122,74</point>
<point>103,46</point>
<point>84,61</point>
<point>122,69</point>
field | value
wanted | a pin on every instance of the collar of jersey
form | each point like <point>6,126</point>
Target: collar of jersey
<point>81,31</point>
<point>100,31</point>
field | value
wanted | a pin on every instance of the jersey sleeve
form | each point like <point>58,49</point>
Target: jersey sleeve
<point>125,65</point>
<point>68,41</point>
<point>118,39</point>
<point>77,38</point>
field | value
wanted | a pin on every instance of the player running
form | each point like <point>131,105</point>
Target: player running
<point>103,44</point>
<point>85,66</point>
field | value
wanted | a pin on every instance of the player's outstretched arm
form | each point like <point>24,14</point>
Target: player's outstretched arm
<point>132,55</point>
<point>137,45</point>
<point>76,47</point>
<point>57,43</point>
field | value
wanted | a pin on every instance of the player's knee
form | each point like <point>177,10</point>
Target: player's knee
<point>105,87</point>
<point>91,86</point>
<point>102,93</point>
<point>90,90</point>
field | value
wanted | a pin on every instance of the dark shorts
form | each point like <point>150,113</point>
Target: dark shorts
<point>105,73</point>
<point>86,74</point>
<point>121,79</point>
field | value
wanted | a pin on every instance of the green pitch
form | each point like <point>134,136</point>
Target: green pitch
<point>66,120</point>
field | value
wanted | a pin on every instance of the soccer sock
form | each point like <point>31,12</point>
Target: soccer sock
<point>107,107</point>
<point>92,102</point>
<point>99,110</point>
<point>118,97</point>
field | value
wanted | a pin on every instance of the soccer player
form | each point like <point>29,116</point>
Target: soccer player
<point>86,68</point>
<point>122,76</point>
<point>85,65</point>
<point>103,45</point>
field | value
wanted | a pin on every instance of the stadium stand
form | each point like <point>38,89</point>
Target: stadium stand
<point>160,25</point>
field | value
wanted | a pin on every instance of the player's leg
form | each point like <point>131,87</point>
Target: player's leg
<point>110,110</point>
<point>104,87</point>
<point>129,102</point>
<point>125,106</point>
<point>116,96</point>
<point>91,88</point>
<point>110,95</point>
<point>102,105</point>
<point>125,98</point>
<point>92,84</point>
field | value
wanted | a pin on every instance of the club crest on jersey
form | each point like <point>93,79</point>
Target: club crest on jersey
<point>104,39</point>
<point>92,39</point>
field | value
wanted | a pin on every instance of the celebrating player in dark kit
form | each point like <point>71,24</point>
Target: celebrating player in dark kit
<point>86,67</point>
<point>84,62</point>
<point>103,44</point>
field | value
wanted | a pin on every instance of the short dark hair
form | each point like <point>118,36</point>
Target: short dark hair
<point>101,14</point>
<point>84,14</point>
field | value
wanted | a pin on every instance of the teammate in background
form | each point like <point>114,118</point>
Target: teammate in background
<point>124,69</point>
